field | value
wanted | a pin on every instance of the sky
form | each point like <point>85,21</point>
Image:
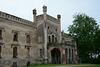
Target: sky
<point>66,8</point>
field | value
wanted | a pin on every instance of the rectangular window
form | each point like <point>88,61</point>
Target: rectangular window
<point>15,36</point>
<point>0,51</point>
<point>14,64</point>
<point>66,53</point>
<point>0,34</point>
<point>28,52</point>
<point>28,38</point>
<point>40,52</point>
<point>15,52</point>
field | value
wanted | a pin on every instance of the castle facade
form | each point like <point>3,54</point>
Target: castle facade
<point>25,43</point>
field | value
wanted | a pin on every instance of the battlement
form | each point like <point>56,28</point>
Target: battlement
<point>40,17</point>
<point>16,19</point>
<point>52,19</point>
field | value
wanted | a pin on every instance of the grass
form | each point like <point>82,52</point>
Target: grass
<point>48,65</point>
<point>88,66</point>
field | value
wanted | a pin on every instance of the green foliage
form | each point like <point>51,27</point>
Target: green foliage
<point>83,31</point>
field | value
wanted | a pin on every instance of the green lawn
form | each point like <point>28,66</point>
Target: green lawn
<point>48,65</point>
<point>88,66</point>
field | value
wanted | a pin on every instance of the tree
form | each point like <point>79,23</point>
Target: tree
<point>83,31</point>
<point>97,47</point>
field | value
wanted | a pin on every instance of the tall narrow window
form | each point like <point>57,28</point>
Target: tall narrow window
<point>49,39</point>
<point>72,55</point>
<point>55,39</point>
<point>66,53</point>
<point>69,55</point>
<point>28,38</point>
<point>0,51</point>
<point>0,34</point>
<point>40,52</point>
<point>14,64</point>
<point>28,52</point>
<point>52,38</point>
<point>15,36</point>
<point>15,52</point>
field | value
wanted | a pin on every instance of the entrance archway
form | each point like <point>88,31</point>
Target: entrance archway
<point>55,56</point>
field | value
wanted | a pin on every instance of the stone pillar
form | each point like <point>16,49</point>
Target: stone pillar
<point>63,55</point>
<point>49,56</point>
<point>59,21</point>
<point>71,55</point>
<point>67,55</point>
<point>75,53</point>
<point>45,34</point>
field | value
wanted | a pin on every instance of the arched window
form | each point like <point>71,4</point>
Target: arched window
<point>49,38</point>
<point>52,38</point>
<point>55,39</point>
<point>28,38</point>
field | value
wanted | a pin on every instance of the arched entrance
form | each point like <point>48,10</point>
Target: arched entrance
<point>55,56</point>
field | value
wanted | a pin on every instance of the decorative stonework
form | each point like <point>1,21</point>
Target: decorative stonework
<point>14,18</point>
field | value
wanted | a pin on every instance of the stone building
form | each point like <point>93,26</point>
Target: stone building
<point>25,43</point>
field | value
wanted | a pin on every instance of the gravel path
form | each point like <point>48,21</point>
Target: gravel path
<point>74,65</point>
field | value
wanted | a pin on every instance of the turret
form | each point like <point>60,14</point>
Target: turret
<point>34,15</point>
<point>59,17</point>
<point>44,9</point>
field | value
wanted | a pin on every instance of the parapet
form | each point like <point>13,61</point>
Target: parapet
<point>16,19</point>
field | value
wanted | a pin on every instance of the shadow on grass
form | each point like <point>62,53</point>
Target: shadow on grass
<point>50,65</point>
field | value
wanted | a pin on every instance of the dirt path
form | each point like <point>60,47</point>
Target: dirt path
<point>74,65</point>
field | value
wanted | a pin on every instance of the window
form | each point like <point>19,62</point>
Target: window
<point>56,30</point>
<point>0,51</point>
<point>72,55</point>
<point>14,64</point>
<point>28,63</point>
<point>0,34</point>
<point>40,52</point>
<point>28,52</point>
<point>52,38</point>
<point>69,55</point>
<point>28,38</point>
<point>15,52</point>
<point>55,39</point>
<point>15,36</point>
<point>49,39</point>
<point>48,27</point>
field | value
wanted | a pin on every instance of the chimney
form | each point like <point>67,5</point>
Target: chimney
<point>34,15</point>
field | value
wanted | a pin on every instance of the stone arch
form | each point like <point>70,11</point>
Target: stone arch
<point>55,56</point>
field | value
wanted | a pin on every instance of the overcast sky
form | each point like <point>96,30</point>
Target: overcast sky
<point>66,8</point>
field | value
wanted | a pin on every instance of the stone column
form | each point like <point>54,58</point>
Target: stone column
<point>45,34</point>
<point>63,55</point>
<point>67,55</point>
<point>59,21</point>
<point>71,55</point>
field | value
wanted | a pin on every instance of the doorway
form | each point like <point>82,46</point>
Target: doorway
<point>55,56</point>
